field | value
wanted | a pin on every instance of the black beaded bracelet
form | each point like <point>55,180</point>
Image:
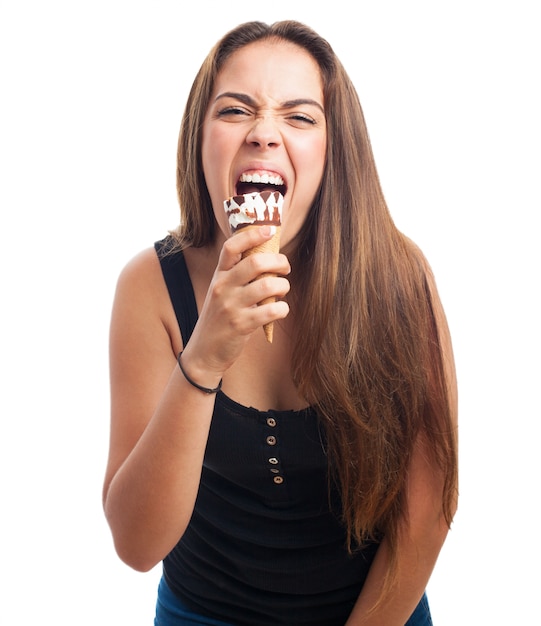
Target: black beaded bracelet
<point>193,383</point>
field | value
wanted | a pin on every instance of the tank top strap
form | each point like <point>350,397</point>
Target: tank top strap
<point>179,286</point>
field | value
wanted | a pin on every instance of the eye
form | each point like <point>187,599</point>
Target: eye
<point>232,112</point>
<point>301,119</point>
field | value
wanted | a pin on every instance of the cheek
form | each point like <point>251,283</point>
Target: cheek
<point>319,156</point>
<point>211,159</point>
<point>217,151</point>
<point>311,156</point>
<point>208,156</point>
<point>214,156</point>
<point>313,164</point>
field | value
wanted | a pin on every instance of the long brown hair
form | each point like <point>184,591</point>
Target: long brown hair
<point>371,362</point>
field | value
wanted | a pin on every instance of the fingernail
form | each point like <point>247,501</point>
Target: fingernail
<point>272,230</point>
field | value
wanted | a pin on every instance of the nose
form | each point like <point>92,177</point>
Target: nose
<point>264,133</point>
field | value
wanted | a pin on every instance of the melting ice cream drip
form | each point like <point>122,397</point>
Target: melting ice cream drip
<point>257,208</point>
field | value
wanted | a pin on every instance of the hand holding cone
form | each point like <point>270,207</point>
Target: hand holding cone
<point>254,210</point>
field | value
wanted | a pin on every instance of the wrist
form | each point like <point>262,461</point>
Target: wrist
<point>195,380</point>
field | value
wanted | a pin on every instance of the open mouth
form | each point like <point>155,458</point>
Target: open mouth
<point>250,182</point>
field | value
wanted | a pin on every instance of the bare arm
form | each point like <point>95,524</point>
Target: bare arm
<point>420,544</point>
<point>159,422</point>
<point>420,540</point>
<point>159,426</point>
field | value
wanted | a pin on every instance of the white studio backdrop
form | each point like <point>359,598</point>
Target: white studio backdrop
<point>92,95</point>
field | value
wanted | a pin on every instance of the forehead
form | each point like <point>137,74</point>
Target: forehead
<point>279,69</point>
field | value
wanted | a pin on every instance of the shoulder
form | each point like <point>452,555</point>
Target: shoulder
<point>441,324</point>
<point>416,253</point>
<point>144,263</point>
<point>427,274</point>
<point>141,296</point>
<point>420,261</point>
<point>141,280</point>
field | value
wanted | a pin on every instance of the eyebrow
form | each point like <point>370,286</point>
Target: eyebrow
<point>288,104</point>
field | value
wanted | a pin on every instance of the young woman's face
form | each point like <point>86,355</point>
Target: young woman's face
<point>265,128</point>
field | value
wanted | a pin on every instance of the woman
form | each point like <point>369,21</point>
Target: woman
<point>308,481</point>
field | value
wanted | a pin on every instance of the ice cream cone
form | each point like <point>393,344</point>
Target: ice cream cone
<point>271,245</point>
<point>251,211</point>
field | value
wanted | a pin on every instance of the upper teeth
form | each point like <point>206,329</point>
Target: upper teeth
<point>267,179</point>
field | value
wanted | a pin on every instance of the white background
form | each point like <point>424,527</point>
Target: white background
<point>91,98</point>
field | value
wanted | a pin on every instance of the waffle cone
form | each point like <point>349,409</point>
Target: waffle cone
<point>271,245</point>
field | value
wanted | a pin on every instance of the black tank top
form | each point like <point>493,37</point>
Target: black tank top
<point>265,544</point>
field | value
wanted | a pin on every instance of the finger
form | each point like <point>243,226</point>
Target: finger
<point>232,302</point>
<point>258,265</point>
<point>245,239</point>
<point>264,289</point>
<point>265,313</point>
